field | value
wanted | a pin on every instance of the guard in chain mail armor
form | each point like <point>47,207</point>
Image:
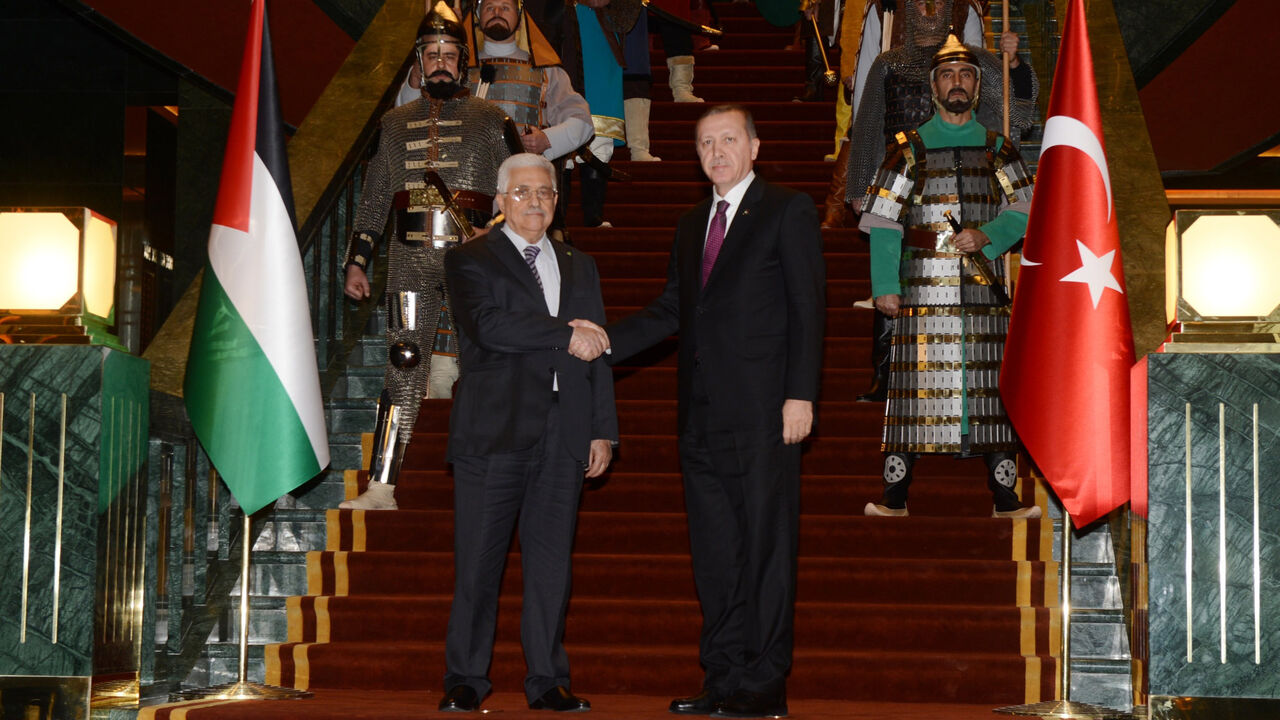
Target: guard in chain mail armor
<point>897,97</point>
<point>937,278</point>
<point>435,173</point>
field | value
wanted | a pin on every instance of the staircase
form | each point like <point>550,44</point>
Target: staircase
<point>947,606</point>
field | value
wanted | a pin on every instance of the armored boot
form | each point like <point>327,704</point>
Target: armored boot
<point>837,210</point>
<point>897,479</point>
<point>881,341</point>
<point>680,78</point>
<point>1002,474</point>
<point>636,114</point>
<point>593,184</point>
<point>384,465</point>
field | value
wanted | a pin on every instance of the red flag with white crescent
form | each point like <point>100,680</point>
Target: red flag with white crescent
<point>1065,380</point>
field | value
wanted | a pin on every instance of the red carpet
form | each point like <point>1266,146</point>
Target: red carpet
<point>946,606</point>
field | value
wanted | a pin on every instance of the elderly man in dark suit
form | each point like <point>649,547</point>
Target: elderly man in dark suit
<point>532,414</point>
<point>745,291</point>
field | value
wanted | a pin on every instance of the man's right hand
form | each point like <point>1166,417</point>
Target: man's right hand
<point>889,304</point>
<point>357,287</point>
<point>589,340</point>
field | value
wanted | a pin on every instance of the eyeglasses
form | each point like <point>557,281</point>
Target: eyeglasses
<point>524,192</point>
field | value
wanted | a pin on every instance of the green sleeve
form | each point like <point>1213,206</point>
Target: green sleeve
<point>886,256</point>
<point>1003,232</point>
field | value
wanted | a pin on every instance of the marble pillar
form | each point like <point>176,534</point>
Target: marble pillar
<point>73,449</point>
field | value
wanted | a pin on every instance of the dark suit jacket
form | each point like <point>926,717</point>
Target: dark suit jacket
<point>755,330</point>
<point>509,347</point>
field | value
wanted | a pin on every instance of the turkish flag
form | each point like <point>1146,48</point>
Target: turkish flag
<point>1065,380</point>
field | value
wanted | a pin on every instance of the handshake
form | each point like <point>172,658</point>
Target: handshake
<point>589,340</point>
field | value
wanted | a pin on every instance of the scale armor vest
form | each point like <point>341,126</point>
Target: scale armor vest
<point>516,88</point>
<point>944,363</point>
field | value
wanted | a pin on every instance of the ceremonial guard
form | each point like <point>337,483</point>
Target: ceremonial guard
<point>950,198</point>
<point>898,97</point>
<point>436,171</point>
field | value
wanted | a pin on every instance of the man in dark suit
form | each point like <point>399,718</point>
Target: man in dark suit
<point>533,410</point>
<point>745,291</point>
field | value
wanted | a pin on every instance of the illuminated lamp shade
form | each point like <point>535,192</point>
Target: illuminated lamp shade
<point>1221,269</point>
<point>58,278</point>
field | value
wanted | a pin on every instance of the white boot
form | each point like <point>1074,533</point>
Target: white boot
<point>680,78</point>
<point>636,112</point>
<point>378,496</point>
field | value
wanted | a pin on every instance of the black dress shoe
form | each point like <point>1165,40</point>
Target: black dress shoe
<point>704,703</point>
<point>748,704</point>
<point>460,698</point>
<point>560,700</point>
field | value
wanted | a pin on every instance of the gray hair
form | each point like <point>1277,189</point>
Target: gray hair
<point>523,160</point>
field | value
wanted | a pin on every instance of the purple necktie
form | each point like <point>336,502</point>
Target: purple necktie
<point>715,238</point>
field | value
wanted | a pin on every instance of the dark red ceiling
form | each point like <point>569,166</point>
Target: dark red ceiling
<point>1214,102</point>
<point>208,37</point>
<point>1221,96</point>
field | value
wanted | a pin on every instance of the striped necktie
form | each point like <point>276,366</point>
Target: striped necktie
<point>530,259</point>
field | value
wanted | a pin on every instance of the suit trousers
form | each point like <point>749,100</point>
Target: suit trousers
<point>538,487</point>
<point>742,494</point>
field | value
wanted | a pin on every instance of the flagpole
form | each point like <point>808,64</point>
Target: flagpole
<point>1065,709</point>
<point>242,688</point>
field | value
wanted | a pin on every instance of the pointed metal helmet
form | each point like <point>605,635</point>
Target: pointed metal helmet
<point>954,51</point>
<point>442,25</point>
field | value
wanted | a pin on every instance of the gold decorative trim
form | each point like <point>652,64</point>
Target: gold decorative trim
<point>301,667</point>
<point>610,127</point>
<point>57,543</point>
<point>1187,529</point>
<point>1163,707</point>
<point>26,532</point>
<point>1222,532</point>
<point>1257,552</point>
<point>341,581</point>
<point>322,618</point>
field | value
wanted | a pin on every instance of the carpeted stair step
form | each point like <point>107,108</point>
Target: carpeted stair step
<point>871,580</point>
<point>658,532</point>
<point>598,620</point>
<point>608,669</point>
<point>605,240</point>
<point>963,495</point>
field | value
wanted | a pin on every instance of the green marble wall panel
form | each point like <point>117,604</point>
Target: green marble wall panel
<point>1214,609</point>
<point>73,439</point>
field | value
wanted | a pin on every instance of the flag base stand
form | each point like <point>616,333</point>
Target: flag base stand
<point>1064,709</point>
<point>243,689</point>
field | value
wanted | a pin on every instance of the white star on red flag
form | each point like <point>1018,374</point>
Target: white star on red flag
<point>1094,271</point>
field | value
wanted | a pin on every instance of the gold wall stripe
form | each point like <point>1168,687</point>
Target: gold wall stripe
<point>1187,529</point>
<point>315,572</point>
<point>358,534</point>
<point>1257,567</point>
<point>322,619</point>
<point>1033,679</point>
<point>340,578</point>
<point>57,542</point>
<point>301,667</point>
<point>1027,631</point>
<point>1222,532</point>
<point>26,533</point>
<point>332,531</point>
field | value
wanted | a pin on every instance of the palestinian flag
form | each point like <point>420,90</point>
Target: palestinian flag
<point>252,389</point>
